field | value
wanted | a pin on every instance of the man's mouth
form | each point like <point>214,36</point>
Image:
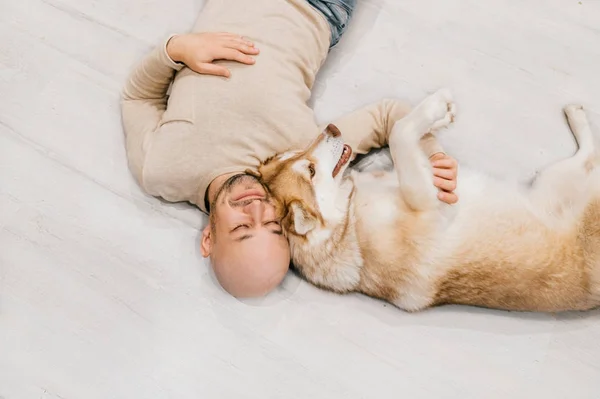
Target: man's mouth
<point>344,158</point>
<point>249,195</point>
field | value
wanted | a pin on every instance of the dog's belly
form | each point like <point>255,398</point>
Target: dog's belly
<point>493,226</point>
<point>494,248</point>
<point>481,201</point>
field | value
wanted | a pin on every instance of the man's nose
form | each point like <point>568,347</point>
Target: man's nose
<point>255,209</point>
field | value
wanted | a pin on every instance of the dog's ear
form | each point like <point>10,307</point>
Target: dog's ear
<point>302,221</point>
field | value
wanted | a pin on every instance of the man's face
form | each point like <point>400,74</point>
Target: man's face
<point>242,213</point>
<point>244,237</point>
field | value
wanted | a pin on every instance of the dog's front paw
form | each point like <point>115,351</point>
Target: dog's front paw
<point>440,109</point>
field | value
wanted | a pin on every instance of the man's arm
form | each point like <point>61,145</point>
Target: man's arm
<point>144,100</point>
<point>144,97</point>
<point>369,127</point>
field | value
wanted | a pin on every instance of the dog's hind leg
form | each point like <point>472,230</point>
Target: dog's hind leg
<point>566,184</point>
<point>410,162</point>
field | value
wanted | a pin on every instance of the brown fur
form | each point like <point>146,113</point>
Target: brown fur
<point>589,235</point>
<point>564,277</point>
<point>332,256</point>
<point>549,276</point>
<point>389,257</point>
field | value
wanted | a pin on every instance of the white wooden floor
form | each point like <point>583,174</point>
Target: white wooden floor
<point>103,293</point>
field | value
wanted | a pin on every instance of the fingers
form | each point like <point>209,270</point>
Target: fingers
<point>213,69</point>
<point>447,163</point>
<point>443,184</point>
<point>214,46</point>
<point>243,46</point>
<point>448,174</point>
<point>238,42</point>
<point>444,178</point>
<point>449,198</point>
<point>235,55</point>
<point>231,36</point>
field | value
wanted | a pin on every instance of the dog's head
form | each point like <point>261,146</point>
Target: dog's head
<point>305,184</point>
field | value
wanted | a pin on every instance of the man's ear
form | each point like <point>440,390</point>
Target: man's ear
<point>206,242</point>
<point>302,221</point>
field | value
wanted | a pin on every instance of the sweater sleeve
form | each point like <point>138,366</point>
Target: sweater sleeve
<point>370,127</point>
<point>143,102</point>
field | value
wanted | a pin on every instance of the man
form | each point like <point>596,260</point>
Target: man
<point>236,100</point>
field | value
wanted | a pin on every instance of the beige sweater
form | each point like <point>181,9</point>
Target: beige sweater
<point>210,126</point>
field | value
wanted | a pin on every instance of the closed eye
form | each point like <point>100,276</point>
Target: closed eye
<point>245,226</point>
<point>241,226</point>
<point>278,231</point>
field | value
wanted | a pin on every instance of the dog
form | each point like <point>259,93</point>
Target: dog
<point>385,234</point>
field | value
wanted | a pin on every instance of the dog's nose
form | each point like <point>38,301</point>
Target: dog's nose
<point>332,130</point>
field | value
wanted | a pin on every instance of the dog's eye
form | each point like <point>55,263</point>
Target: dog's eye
<point>311,170</point>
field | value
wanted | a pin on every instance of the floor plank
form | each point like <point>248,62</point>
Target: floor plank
<point>71,99</point>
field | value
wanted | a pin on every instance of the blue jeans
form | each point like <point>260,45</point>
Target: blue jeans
<point>337,13</point>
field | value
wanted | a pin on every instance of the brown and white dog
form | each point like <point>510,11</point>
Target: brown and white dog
<point>388,236</point>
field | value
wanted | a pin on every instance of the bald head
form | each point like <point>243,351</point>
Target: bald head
<point>244,240</point>
<point>251,270</point>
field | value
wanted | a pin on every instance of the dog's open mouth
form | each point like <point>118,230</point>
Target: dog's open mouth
<point>344,158</point>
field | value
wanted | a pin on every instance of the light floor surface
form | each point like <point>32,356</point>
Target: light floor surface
<point>103,292</point>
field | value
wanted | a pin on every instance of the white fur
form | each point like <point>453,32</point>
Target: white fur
<point>412,166</point>
<point>302,224</point>
<point>287,155</point>
<point>328,153</point>
<point>301,166</point>
<point>386,210</point>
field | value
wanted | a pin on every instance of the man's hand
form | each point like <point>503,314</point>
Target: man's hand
<point>445,170</point>
<point>198,50</point>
